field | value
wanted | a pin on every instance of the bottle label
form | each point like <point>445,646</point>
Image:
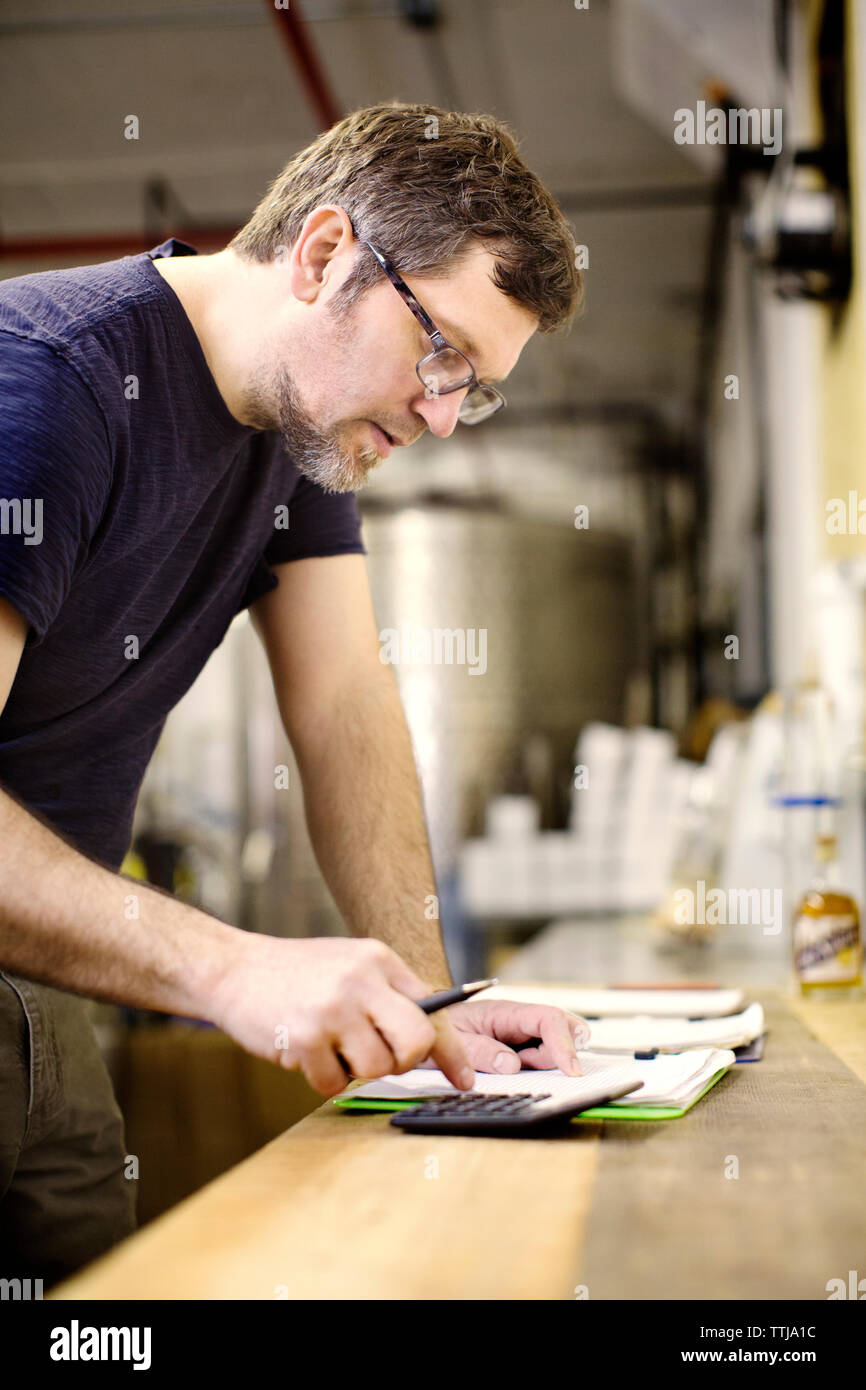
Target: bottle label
<point>827,948</point>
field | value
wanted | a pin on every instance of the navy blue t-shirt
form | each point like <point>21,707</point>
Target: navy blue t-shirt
<point>132,505</point>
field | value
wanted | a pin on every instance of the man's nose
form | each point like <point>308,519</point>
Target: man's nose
<point>440,411</point>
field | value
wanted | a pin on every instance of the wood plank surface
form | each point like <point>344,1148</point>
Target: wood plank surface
<point>669,1222</point>
<point>342,1206</point>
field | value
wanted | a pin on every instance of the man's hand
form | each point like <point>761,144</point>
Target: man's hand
<point>485,1029</point>
<point>301,1002</point>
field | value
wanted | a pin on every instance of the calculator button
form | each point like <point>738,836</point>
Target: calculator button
<point>480,1106</point>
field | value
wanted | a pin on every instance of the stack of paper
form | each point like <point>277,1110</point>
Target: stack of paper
<point>642,1033</point>
<point>668,1086</point>
<point>620,1003</point>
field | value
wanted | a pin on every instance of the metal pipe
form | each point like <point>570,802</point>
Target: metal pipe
<point>122,243</point>
<point>306,60</point>
<point>597,201</point>
<point>189,17</point>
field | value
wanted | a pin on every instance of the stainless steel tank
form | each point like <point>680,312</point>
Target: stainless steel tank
<point>558,608</point>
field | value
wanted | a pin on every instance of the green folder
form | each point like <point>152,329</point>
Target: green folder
<point>615,1110</point>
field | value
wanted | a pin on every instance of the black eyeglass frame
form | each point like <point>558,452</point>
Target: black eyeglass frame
<point>439,341</point>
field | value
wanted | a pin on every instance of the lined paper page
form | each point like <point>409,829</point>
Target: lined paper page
<point>424,1081</point>
<point>666,1080</point>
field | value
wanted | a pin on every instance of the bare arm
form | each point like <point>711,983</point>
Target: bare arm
<point>363,805</point>
<point>70,922</point>
<point>74,924</point>
<point>342,711</point>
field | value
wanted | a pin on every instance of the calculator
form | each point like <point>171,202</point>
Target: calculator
<point>515,1114</point>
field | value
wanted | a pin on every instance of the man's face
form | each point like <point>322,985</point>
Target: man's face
<point>331,382</point>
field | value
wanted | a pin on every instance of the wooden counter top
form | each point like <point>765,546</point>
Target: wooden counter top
<point>342,1206</point>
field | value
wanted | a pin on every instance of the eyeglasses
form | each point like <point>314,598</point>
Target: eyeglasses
<point>446,368</point>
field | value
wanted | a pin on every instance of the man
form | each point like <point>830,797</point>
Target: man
<point>157,413</point>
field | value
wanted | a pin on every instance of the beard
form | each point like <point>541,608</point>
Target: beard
<point>319,456</point>
<point>316,454</point>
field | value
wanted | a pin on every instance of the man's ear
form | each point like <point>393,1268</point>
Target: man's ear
<point>324,248</point>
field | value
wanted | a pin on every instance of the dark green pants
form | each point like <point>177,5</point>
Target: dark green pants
<point>63,1195</point>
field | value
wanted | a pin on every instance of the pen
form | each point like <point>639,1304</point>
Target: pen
<point>443,997</point>
<point>455,995</point>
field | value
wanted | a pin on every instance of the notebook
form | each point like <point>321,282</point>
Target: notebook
<point>620,1003</point>
<point>666,1087</point>
<point>641,1033</point>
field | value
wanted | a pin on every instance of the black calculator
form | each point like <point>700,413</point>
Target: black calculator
<point>517,1113</point>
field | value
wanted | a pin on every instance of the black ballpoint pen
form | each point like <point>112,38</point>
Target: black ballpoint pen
<point>433,1002</point>
<point>456,994</point>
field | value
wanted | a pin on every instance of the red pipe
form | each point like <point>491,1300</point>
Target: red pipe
<point>121,243</point>
<point>306,60</point>
<point>312,75</point>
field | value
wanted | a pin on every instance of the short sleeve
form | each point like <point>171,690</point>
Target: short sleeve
<point>320,523</point>
<point>55,472</point>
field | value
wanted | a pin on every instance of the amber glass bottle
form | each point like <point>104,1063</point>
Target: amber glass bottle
<point>827,941</point>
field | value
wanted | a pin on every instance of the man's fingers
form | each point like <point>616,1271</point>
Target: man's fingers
<point>560,1040</point>
<point>450,1054</point>
<point>409,1033</point>
<point>561,1035</point>
<point>321,1066</point>
<point>491,1055</point>
<point>580,1029</point>
<point>366,1051</point>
